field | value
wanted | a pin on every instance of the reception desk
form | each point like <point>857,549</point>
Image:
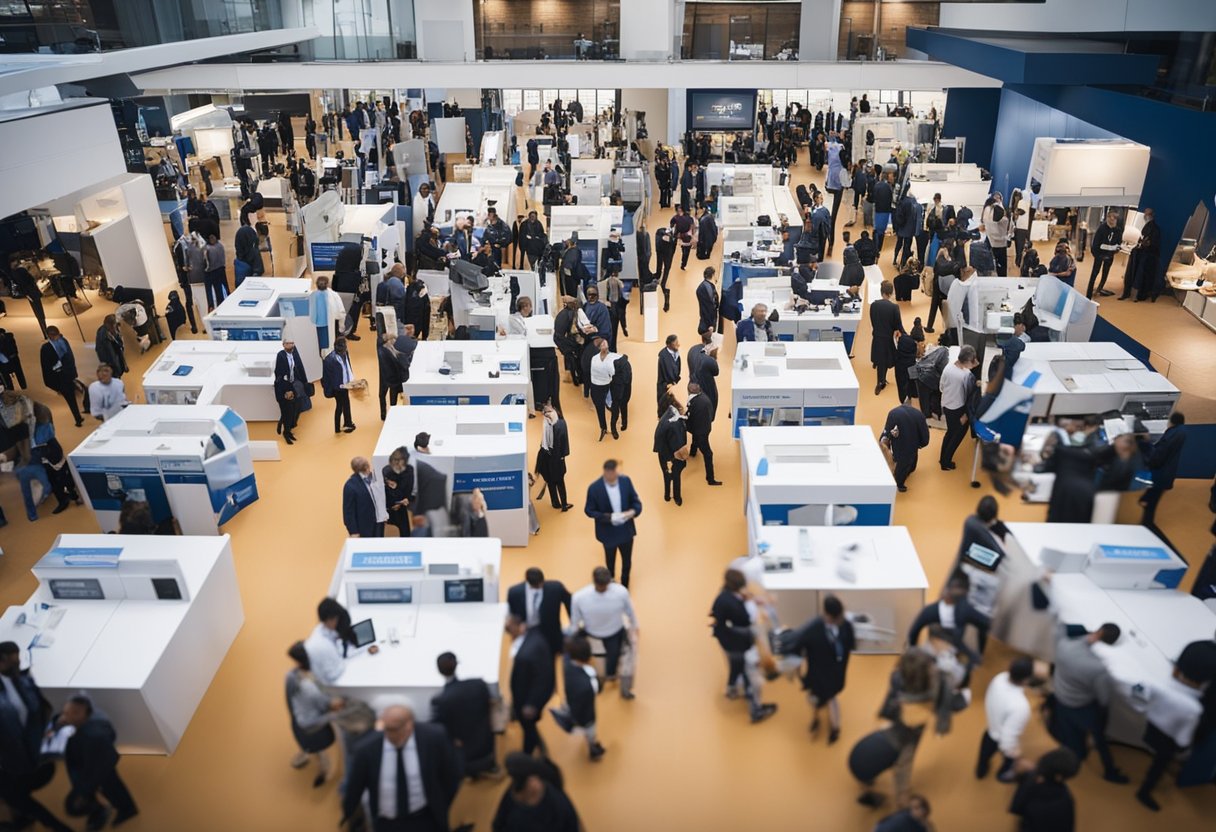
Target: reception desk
<point>239,374</point>
<point>479,372</point>
<point>798,383</point>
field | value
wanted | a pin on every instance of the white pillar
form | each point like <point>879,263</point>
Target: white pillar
<point>648,29</point>
<point>819,30</point>
<point>444,29</point>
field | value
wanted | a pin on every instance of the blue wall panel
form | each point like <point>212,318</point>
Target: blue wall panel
<point>973,113</point>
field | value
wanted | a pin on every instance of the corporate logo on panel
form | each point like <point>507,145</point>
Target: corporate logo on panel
<point>726,109</point>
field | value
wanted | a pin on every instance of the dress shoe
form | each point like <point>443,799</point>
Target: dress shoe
<point>597,752</point>
<point>348,429</point>
<point>878,388</point>
<point>814,726</point>
<point>871,799</point>
<point>354,337</point>
<point>615,435</point>
<point>291,440</point>
<point>948,466</point>
<point>764,712</point>
<point>732,693</point>
<point>194,330</point>
<point>1106,293</point>
<point>713,482</point>
<point>833,736</point>
<point>567,506</point>
<point>278,427</point>
<point>624,426</point>
<point>929,329</point>
<point>667,498</point>
<point>80,423</point>
<point>318,781</point>
<point>678,500</point>
<point>628,695</point>
<point>902,488</point>
<point>1116,776</point>
<point>1147,801</point>
<point>603,433</point>
<point>300,759</point>
<point>62,507</point>
<point>99,818</point>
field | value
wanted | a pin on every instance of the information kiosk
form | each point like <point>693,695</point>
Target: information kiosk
<point>138,626</point>
<point>470,372</point>
<point>798,383</point>
<point>239,374</point>
<point>269,309</point>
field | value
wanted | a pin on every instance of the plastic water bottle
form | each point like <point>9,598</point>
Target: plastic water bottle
<point>804,545</point>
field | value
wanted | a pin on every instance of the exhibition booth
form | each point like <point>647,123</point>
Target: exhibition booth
<point>983,308</point>
<point>792,383</point>
<point>473,447</point>
<point>874,571</point>
<point>801,322</point>
<point>239,374</point>
<point>594,225</point>
<point>469,372</point>
<point>469,201</point>
<point>876,137</point>
<point>414,599</point>
<point>485,312</point>
<point>1121,574</point>
<point>139,627</point>
<point>961,185</point>
<point>814,476</point>
<point>270,309</point>
<point>191,464</point>
<point>748,192</point>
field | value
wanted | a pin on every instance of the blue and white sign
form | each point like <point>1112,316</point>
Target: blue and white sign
<point>87,555</point>
<point>1133,553</point>
<point>386,560</point>
<point>502,489</point>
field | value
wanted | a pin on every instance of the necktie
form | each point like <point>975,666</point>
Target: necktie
<point>403,789</point>
<point>536,605</point>
<point>291,369</point>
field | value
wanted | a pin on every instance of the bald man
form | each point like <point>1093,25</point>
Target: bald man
<point>364,510</point>
<point>408,771</point>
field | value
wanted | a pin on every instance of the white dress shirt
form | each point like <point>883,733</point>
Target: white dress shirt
<point>388,778</point>
<point>1008,712</point>
<point>517,326</point>
<point>107,400</point>
<point>602,614</point>
<point>603,368</point>
<point>533,598</point>
<point>614,495</point>
<point>325,654</point>
<point>348,374</point>
<point>375,489</point>
<point>1176,709</point>
<point>945,614</point>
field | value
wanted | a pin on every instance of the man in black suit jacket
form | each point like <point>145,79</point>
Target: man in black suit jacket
<point>732,628</point>
<point>532,679</point>
<point>581,685</point>
<point>826,643</point>
<point>290,388</point>
<point>463,708</point>
<point>539,603</point>
<point>707,302</point>
<point>59,369</point>
<point>700,422</point>
<point>905,432</point>
<point>669,366</point>
<point>432,485</point>
<point>363,502</point>
<point>92,764</point>
<point>954,607</point>
<point>426,779</point>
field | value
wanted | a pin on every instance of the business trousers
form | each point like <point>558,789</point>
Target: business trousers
<point>934,305</point>
<point>1164,751</point>
<point>1000,256</point>
<point>69,396</point>
<point>342,410</point>
<point>673,469</point>
<point>289,414</point>
<point>626,550</point>
<point>836,195</point>
<point>11,369</point>
<point>1075,725</point>
<point>184,285</point>
<point>112,789</point>
<point>532,738</point>
<point>388,396</point>
<point>988,747</point>
<point>904,469</point>
<point>557,491</point>
<point>619,308</point>
<point>881,221</point>
<point>1021,236</point>
<point>19,796</point>
<point>701,443</point>
<point>664,268</point>
<point>955,432</point>
<point>684,250</point>
<point>922,243</point>
<point>903,244</point>
<point>739,673</point>
<point>1149,501</point>
<point>613,645</point>
<point>599,397</point>
<point>216,282</point>
<point>1104,264</point>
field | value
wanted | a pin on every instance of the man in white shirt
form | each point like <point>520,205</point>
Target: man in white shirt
<point>408,771</point>
<point>956,384</point>
<point>517,326</point>
<point>107,395</point>
<point>601,610</point>
<point>1175,711</point>
<point>1008,711</point>
<point>603,368</point>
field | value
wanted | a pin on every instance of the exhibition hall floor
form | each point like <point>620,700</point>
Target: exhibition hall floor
<point>680,756</point>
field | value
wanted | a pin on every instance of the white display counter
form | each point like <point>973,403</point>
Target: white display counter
<point>143,638</point>
<point>239,374</point>
<point>190,463</point>
<point>484,320</point>
<point>474,447</point>
<point>959,184</point>
<point>814,476</point>
<point>471,200</point>
<point>270,309</point>
<point>875,572</point>
<point>792,383</point>
<point>1078,379</point>
<point>812,323</point>
<point>470,381</point>
<point>421,596</point>
<point>594,224</point>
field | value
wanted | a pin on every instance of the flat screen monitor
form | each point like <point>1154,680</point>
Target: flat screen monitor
<point>384,595</point>
<point>167,589</point>
<point>76,589</point>
<point>822,297</point>
<point>364,632</point>
<point>464,591</point>
<point>721,109</point>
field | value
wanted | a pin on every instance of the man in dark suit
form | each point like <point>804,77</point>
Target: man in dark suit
<point>581,686</point>
<point>363,503</point>
<point>532,679</point>
<point>463,708</point>
<point>669,366</point>
<point>23,716</point>
<point>336,375</point>
<point>92,763</point>
<point>954,613</point>
<point>884,323</point>
<point>432,485</point>
<point>826,643</point>
<point>1162,459</point>
<point>706,372</point>
<point>700,422</point>
<point>539,603</point>
<point>418,797</point>
<point>290,388</point>
<point>905,433</point>
<point>707,303</point>
<point>59,369</point>
<point>732,628</point>
<point>707,234</point>
<point>665,252</point>
<point>613,496</point>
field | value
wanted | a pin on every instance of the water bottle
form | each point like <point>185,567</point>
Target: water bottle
<point>804,545</point>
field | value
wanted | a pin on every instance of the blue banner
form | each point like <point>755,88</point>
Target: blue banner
<point>449,400</point>
<point>325,255</point>
<point>386,560</point>
<point>502,489</point>
<point>1133,553</point>
<point>868,514</point>
<point>87,555</point>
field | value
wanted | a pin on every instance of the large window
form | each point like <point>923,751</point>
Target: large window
<point>763,30</point>
<point>593,101</point>
<point>514,30</point>
<point>361,30</point>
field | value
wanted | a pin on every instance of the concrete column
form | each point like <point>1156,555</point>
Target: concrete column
<point>819,30</point>
<point>648,29</point>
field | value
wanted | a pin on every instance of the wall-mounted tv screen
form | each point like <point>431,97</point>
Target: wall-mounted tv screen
<point>721,109</point>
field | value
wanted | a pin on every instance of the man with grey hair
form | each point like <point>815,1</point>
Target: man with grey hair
<point>755,328</point>
<point>364,511</point>
<point>408,771</point>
